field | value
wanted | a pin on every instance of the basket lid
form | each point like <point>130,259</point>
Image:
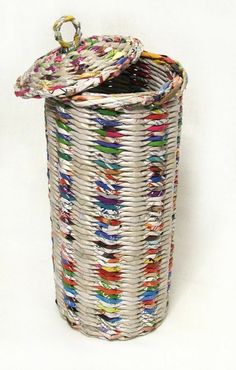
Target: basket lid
<point>78,65</point>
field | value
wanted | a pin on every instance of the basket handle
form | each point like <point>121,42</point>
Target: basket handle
<point>67,45</point>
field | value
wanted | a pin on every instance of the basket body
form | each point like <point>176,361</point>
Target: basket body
<point>112,167</point>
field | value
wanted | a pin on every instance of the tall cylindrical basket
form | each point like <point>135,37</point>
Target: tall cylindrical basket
<point>113,119</point>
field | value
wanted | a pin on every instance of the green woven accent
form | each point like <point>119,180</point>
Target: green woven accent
<point>63,125</point>
<point>68,285</point>
<point>63,141</point>
<point>110,166</point>
<point>113,296</point>
<point>91,41</point>
<point>110,54</point>
<point>69,273</point>
<point>104,149</point>
<point>65,156</point>
<point>152,288</point>
<point>157,143</point>
<point>105,283</point>
<point>154,159</point>
<point>107,112</point>
<point>101,132</point>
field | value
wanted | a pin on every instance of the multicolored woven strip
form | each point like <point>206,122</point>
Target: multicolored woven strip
<point>113,154</point>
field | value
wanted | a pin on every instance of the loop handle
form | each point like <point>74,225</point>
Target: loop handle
<point>67,45</point>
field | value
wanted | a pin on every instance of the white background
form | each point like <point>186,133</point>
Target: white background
<point>199,332</point>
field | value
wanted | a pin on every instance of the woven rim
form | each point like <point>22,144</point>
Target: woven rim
<point>176,82</point>
<point>79,65</point>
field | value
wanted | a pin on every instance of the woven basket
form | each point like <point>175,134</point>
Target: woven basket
<point>113,150</point>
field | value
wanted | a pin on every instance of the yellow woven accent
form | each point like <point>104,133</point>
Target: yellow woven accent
<point>118,55</point>
<point>146,54</point>
<point>111,269</point>
<point>69,17</point>
<point>156,57</point>
<point>108,309</point>
<point>87,74</point>
<point>64,43</point>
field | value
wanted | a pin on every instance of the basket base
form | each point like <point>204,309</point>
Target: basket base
<point>101,335</point>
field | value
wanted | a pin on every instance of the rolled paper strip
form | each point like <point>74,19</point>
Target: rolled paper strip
<point>68,45</point>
